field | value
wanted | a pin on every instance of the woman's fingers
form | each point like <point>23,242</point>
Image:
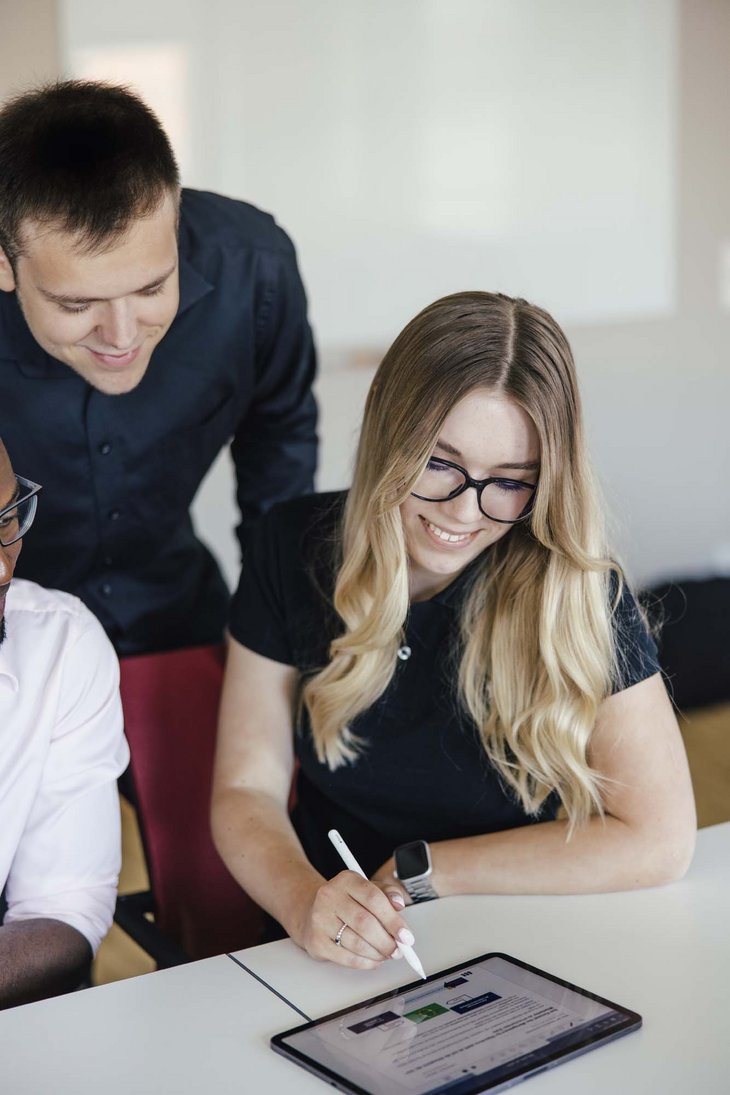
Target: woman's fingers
<point>395,893</point>
<point>371,916</point>
<point>372,925</point>
<point>354,944</point>
<point>386,881</point>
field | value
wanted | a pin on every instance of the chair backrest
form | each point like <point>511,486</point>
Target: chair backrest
<point>170,703</point>
<point>694,644</point>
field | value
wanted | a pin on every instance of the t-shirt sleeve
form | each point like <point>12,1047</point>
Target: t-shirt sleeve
<point>636,652</point>
<point>258,615</point>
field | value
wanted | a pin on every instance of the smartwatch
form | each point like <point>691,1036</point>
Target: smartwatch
<point>413,869</point>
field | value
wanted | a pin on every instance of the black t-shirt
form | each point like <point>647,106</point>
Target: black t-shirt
<point>422,772</point>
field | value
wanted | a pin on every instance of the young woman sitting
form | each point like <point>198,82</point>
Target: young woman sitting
<point>452,654</point>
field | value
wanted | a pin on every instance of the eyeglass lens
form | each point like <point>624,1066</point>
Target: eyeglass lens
<point>14,523</point>
<point>504,500</point>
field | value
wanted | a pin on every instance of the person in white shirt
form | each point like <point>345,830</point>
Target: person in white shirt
<point>61,750</point>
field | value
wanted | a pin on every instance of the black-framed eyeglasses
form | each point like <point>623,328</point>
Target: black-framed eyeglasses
<point>17,517</point>
<point>503,500</point>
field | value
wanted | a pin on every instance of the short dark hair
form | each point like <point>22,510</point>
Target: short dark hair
<point>89,156</point>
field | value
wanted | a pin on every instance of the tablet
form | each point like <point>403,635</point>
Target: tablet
<point>480,1026</point>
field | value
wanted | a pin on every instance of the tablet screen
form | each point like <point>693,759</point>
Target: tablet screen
<point>475,1027</point>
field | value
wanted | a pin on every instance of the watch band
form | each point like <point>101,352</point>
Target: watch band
<point>414,859</point>
<point>419,889</point>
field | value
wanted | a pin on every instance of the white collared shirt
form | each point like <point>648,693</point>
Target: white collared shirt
<point>61,750</point>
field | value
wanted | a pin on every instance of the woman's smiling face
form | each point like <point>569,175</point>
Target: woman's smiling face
<point>489,435</point>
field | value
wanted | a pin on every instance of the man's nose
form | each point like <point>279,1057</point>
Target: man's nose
<point>119,326</point>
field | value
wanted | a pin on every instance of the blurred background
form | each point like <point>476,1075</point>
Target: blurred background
<point>575,152</point>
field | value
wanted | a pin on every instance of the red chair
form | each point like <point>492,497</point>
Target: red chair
<point>170,703</point>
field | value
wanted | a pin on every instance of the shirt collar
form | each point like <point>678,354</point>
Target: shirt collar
<point>32,359</point>
<point>8,670</point>
<point>193,286</point>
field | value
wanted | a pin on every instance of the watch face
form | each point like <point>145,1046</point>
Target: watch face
<point>411,860</point>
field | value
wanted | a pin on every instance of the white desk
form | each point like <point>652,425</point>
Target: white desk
<point>663,952</point>
<point>201,1029</point>
<point>204,1028</point>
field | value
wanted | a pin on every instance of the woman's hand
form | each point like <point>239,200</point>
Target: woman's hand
<point>360,916</point>
<point>385,878</point>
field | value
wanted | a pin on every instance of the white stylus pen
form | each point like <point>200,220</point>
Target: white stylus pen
<point>352,864</point>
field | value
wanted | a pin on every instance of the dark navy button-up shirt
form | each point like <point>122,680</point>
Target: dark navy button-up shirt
<point>120,471</point>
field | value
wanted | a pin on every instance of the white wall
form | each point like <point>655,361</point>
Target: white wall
<point>565,151</point>
<point>29,46</point>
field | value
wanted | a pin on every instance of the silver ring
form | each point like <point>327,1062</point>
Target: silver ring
<point>338,938</point>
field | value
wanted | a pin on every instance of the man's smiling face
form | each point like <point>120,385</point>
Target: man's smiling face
<point>100,312</point>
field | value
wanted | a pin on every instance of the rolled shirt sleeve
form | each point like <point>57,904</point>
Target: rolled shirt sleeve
<point>66,865</point>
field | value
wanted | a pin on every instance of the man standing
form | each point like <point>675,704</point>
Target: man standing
<point>61,750</point>
<point>141,330</point>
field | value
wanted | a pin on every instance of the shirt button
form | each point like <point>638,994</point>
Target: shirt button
<point>404,653</point>
<point>105,448</point>
<point>106,589</point>
<point>115,515</point>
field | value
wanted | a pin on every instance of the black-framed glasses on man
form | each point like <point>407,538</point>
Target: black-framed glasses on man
<point>503,500</point>
<point>17,517</point>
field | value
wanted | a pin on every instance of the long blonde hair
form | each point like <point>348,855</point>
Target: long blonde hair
<point>537,651</point>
